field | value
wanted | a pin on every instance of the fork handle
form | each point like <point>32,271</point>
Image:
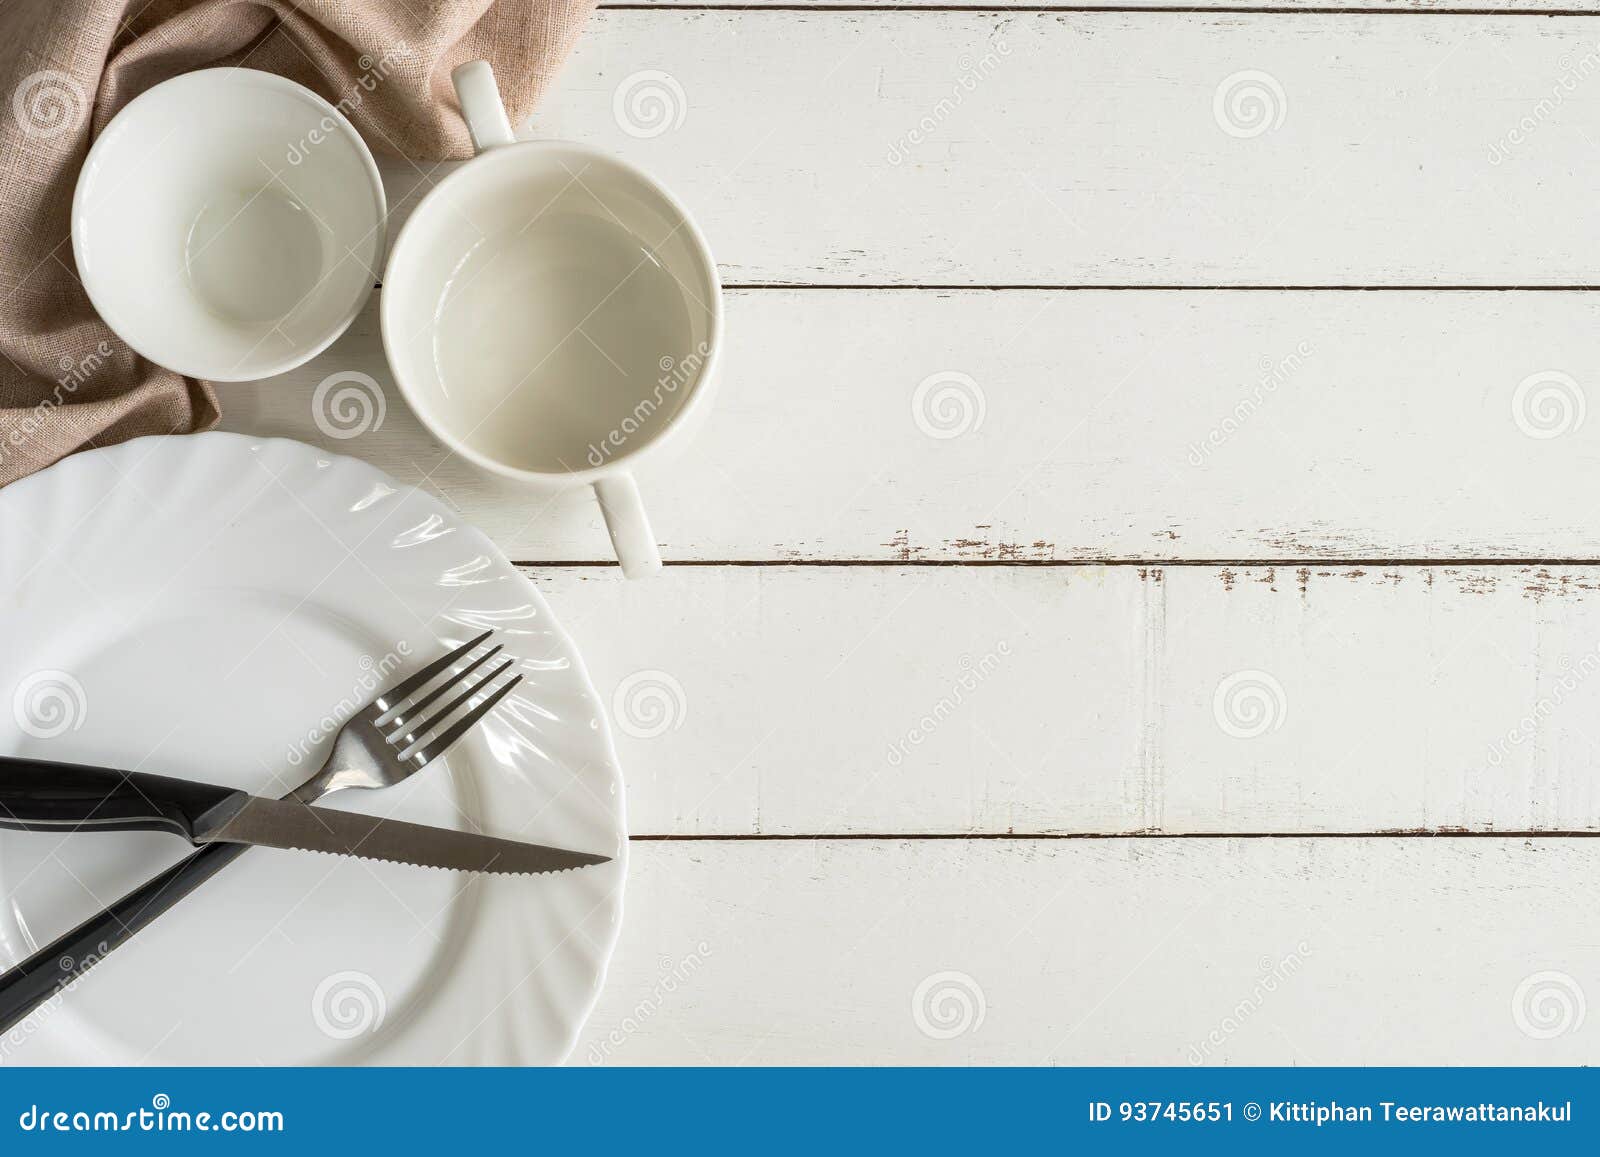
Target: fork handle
<point>60,963</point>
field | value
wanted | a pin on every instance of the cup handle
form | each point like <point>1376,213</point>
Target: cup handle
<point>628,525</point>
<point>481,105</point>
<point>626,521</point>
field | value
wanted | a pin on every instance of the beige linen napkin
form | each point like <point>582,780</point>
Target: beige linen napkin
<point>67,66</point>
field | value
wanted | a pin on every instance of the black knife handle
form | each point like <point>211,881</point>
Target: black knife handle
<point>70,955</point>
<point>38,795</point>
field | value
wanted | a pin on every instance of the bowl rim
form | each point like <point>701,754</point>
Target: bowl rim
<point>484,166</point>
<point>230,75</point>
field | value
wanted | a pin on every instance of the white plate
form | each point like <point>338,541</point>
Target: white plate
<point>193,606</point>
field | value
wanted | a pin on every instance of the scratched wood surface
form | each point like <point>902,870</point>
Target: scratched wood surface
<point>1442,7</point>
<point>1103,148</point>
<point>1170,952</point>
<point>996,700</point>
<point>1018,294</point>
<point>1072,425</point>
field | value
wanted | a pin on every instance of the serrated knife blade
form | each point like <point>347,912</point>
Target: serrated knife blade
<point>270,823</point>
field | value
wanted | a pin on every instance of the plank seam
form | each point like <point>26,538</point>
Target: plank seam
<point>1075,287</point>
<point>1139,563</point>
<point>1042,287</point>
<point>1151,638</point>
<point>882,837</point>
<point>1244,10</point>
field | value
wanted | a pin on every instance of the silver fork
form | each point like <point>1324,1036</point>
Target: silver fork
<point>377,747</point>
<point>381,745</point>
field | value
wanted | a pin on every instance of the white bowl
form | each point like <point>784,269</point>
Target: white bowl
<point>228,224</point>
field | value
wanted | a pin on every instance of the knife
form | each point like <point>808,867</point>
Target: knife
<point>41,796</point>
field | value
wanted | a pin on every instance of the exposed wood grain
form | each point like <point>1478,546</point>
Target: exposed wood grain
<point>990,148</point>
<point>1076,425</point>
<point>1086,700</point>
<point>1171,952</point>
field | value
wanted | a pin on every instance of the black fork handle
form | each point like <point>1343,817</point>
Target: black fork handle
<point>60,963</point>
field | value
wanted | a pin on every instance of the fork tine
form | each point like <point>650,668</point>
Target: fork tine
<point>436,747</point>
<point>416,729</point>
<point>415,683</point>
<point>412,710</point>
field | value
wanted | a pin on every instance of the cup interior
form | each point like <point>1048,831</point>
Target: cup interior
<point>549,310</point>
<point>228,224</point>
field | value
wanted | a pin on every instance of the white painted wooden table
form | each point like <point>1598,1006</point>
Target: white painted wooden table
<point>1138,596</point>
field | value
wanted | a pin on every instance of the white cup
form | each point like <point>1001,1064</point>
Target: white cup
<point>553,315</point>
<point>228,224</point>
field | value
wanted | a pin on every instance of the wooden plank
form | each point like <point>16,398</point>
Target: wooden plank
<point>1103,148</point>
<point>1171,952</point>
<point>1289,6</point>
<point>875,701</point>
<point>1043,425</point>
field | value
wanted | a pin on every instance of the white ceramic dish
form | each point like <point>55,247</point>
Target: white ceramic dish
<point>228,224</point>
<point>553,314</point>
<point>193,606</point>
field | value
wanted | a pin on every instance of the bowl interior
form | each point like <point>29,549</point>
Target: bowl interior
<point>549,309</point>
<point>228,223</point>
